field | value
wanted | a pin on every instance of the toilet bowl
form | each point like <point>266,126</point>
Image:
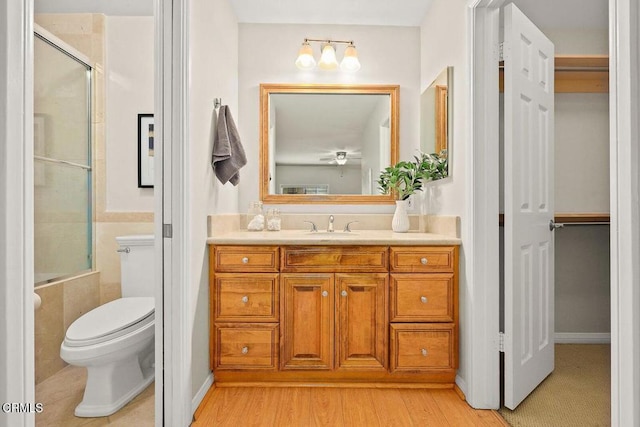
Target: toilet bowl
<point>115,341</point>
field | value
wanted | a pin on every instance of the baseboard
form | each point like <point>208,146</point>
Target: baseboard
<point>583,337</point>
<point>197,399</point>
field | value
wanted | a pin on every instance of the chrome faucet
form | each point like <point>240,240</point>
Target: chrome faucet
<point>330,227</point>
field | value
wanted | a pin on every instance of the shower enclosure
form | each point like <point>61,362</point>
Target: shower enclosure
<point>62,161</point>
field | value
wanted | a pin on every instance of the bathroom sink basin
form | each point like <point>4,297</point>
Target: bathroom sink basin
<point>336,234</point>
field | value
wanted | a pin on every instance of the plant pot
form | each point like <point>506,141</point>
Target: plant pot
<point>400,222</point>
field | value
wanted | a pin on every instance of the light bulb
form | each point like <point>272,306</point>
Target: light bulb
<point>305,59</point>
<point>328,59</point>
<point>350,61</point>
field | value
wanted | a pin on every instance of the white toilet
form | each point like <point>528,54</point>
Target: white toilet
<point>115,341</point>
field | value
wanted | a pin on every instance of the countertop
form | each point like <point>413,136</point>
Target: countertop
<point>356,237</point>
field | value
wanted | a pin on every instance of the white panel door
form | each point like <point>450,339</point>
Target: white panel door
<point>528,210</point>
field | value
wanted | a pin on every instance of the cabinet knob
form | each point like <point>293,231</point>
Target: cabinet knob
<point>424,299</point>
<point>343,293</point>
<point>245,299</point>
<point>325,293</point>
<point>245,350</point>
<point>423,351</point>
<point>245,260</point>
<point>424,261</point>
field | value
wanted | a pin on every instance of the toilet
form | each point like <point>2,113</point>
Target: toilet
<point>115,341</point>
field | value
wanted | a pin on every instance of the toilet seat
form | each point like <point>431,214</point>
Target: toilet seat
<point>111,320</point>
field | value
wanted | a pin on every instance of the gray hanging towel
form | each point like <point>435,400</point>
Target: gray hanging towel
<point>228,155</point>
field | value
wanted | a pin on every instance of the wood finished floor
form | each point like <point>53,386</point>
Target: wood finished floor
<point>323,406</point>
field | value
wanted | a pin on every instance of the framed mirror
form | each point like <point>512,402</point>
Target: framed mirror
<point>436,116</point>
<point>326,143</point>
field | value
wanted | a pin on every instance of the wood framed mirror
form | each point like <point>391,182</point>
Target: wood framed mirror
<point>326,144</point>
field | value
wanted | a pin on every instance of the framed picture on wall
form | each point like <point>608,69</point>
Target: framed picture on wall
<point>145,151</point>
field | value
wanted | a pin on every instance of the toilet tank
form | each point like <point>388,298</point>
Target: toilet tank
<point>137,265</point>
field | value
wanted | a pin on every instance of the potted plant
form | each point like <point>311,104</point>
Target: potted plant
<point>406,178</point>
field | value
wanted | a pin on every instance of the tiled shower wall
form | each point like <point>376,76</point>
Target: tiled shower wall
<point>62,303</point>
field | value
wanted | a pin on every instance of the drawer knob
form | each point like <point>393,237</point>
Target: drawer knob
<point>343,293</point>
<point>423,351</point>
<point>245,260</point>
<point>245,299</point>
<point>424,299</point>
<point>424,261</point>
<point>325,293</point>
<point>245,350</point>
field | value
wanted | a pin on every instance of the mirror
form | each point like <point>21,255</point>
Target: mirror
<point>326,143</point>
<point>436,113</point>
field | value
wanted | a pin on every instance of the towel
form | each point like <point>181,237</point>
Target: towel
<point>228,155</point>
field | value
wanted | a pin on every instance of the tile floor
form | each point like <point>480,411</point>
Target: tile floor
<point>62,392</point>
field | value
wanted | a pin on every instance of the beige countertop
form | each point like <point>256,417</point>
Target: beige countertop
<point>356,237</point>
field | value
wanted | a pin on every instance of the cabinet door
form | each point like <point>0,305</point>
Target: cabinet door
<point>306,320</point>
<point>361,336</point>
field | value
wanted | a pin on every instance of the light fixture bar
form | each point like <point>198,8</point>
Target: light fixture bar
<point>329,41</point>
<point>328,60</point>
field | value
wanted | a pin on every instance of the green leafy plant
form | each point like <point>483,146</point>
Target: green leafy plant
<point>406,178</point>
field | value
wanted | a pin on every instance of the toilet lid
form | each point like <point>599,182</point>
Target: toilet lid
<point>111,320</point>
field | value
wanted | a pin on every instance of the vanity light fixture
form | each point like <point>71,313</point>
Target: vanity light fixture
<point>328,60</point>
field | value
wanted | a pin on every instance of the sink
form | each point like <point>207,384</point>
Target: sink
<point>324,233</point>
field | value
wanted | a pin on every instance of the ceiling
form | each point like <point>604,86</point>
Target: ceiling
<point>339,12</point>
<point>570,14</point>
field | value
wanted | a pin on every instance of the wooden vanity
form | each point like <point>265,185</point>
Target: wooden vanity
<point>319,314</point>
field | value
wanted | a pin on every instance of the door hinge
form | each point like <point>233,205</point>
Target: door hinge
<point>501,51</point>
<point>167,231</point>
<point>501,342</point>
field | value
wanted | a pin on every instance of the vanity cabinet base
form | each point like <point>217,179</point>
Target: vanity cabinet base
<point>334,315</point>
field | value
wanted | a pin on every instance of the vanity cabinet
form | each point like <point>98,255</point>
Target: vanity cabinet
<point>314,313</point>
<point>334,321</point>
<point>423,308</point>
<point>246,291</point>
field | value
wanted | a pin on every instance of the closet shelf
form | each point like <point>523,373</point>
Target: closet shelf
<point>577,74</point>
<point>575,218</point>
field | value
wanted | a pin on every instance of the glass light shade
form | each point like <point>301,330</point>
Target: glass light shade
<point>341,161</point>
<point>305,59</point>
<point>328,59</point>
<point>350,61</point>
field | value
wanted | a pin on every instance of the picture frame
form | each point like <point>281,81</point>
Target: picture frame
<point>145,151</point>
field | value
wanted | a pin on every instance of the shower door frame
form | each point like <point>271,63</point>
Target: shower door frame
<point>72,53</point>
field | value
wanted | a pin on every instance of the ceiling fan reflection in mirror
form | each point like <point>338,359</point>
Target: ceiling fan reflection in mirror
<point>340,158</point>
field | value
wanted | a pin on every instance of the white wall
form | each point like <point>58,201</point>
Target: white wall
<point>389,55</point>
<point>213,71</point>
<point>443,43</point>
<point>341,179</point>
<point>129,45</point>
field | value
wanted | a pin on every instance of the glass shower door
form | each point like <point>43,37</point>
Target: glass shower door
<point>62,163</point>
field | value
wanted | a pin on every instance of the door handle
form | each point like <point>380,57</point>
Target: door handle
<point>553,225</point>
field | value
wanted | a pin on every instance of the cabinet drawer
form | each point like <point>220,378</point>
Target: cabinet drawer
<point>422,259</point>
<point>417,346</point>
<point>335,259</point>
<point>246,259</point>
<point>246,297</point>
<point>422,297</point>
<point>246,346</point>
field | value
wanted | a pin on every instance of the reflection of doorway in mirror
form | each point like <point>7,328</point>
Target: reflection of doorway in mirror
<point>385,137</point>
<point>441,118</point>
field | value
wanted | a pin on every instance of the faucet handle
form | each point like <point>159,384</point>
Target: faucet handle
<point>347,229</point>
<point>313,226</point>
